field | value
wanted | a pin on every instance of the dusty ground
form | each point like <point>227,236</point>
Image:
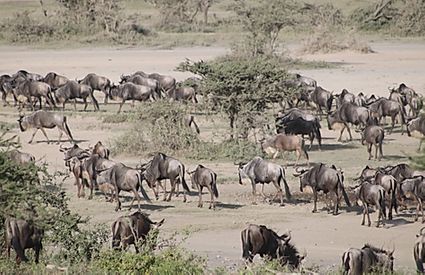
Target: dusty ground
<point>215,234</point>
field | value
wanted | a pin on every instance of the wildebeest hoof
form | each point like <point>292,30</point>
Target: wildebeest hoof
<point>282,204</point>
<point>169,199</point>
<point>184,200</point>
<point>362,223</point>
<point>200,205</point>
<point>369,225</point>
<point>314,211</point>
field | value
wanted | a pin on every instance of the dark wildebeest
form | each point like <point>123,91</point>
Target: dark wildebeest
<point>73,90</point>
<point>406,189</point>
<point>54,80</point>
<point>307,81</point>
<point>281,142</point>
<point>322,98</point>
<point>372,194</point>
<point>20,158</point>
<point>37,89</point>
<point>390,185</point>
<point>258,239</point>
<point>419,250</point>
<point>131,91</point>
<point>21,235</point>
<point>124,178</point>
<point>368,259</point>
<point>416,127</point>
<point>127,230</point>
<point>373,135</point>
<point>261,171</point>
<point>5,78</point>
<point>299,126</point>
<point>183,94</point>
<point>163,167</point>
<point>345,97</point>
<point>141,80</point>
<point>419,193</point>
<point>293,114</point>
<point>41,119</point>
<point>384,107</point>
<point>101,150</point>
<point>411,98</point>
<point>326,179</point>
<point>203,177</point>
<point>97,82</point>
<point>166,83</point>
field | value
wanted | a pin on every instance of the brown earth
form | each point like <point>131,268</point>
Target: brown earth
<point>215,234</point>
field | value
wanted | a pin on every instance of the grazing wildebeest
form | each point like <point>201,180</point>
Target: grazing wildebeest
<point>326,179</point>
<point>131,91</point>
<point>417,128</point>
<point>97,82</point>
<point>419,250</point>
<point>322,98</point>
<point>163,167</point>
<point>20,235</point>
<point>42,119</point>
<point>261,171</point>
<point>293,114</point>
<point>281,142</point>
<point>368,259</point>
<point>299,126</point>
<point>385,107</point>
<point>203,177</point>
<point>145,81</point>
<point>20,157</point>
<point>183,94</point>
<point>124,178</point>
<point>258,239</point>
<point>54,80</point>
<point>101,150</point>
<point>131,229</point>
<point>373,135</point>
<point>73,90</point>
<point>37,89</point>
<point>372,194</point>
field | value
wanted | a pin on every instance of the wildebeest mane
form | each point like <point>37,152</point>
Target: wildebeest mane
<point>374,249</point>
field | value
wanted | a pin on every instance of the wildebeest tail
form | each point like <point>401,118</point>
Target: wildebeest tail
<point>393,194</point>
<point>245,244</point>
<point>382,203</point>
<point>329,103</point>
<point>94,100</point>
<point>346,261</point>
<point>183,181</point>
<point>418,251</point>
<point>285,183</point>
<point>13,231</point>
<point>214,184</point>
<point>142,190</point>
<point>344,194</point>
<point>303,148</point>
<point>65,124</point>
<point>115,233</point>
<point>50,98</point>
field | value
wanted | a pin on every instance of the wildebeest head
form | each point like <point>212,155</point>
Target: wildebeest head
<point>23,123</point>
<point>385,258</point>
<point>124,78</point>
<point>114,91</point>
<point>332,119</point>
<point>421,232</point>
<point>241,172</point>
<point>303,174</point>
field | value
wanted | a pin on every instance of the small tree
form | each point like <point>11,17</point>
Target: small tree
<point>241,87</point>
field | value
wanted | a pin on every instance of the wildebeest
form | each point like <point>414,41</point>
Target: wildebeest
<point>54,80</point>
<point>73,90</point>
<point>145,81</point>
<point>37,89</point>
<point>368,259</point>
<point>304,80</point>
<point>189,121</point>
<point>322,98</point>
<point>406,189</point>
<point>163,167</point>
<point>292,114</point>
<point>326,179</point>
<point>20,157</point>
<point>124,178</point>
<point>73,151</point>
<point>131,229</point>
<point>419,250</point>
<point>390,185</point>
<point>23,74</point>
<point>101,150</point>
<point>166,83</point>
<point>42,119</point>
<point>372,194</point>
<point>183,94</point>
<point>97,82</point>
<point>419,192</point>
<point>20,235</point>
<point>299,126</point>
<point>345,97</point>
<point>5,78</point>
<point>385,107</point>
<point>131,91</point>
<point>411,98</point>
<point>258,239</point>
<point>261,171</point>
<point>204,177</point>
<point>417,128</point>
<point>373,135</point>
<point>281,142</point>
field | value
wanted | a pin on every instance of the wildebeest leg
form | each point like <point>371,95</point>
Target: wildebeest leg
<point>422,210</point>
<point>379,217</point>
<point>173,188</point>
<point>392,124</point>
<point>311,136</point>
<point>117,198</point>
<point>279,193</point>
<point>315,200</point>
<point>32,137</point>
<point>349,131</point>
<point>122,103</point>
<point>60,136</point>
<point>336,201</point>
<point>376,151</point>
<point>106,96</point>
<point>37,252</point>
<point>417,209</point>
<point>200,196</point>
<point>262,192</point>
<point>254,192</point>
<point>212,202</point>
<point>369,150</point>
<point>381,155</point>
<point>137,196</point>
<point>164,189</point>
<point>364,212</point>
<point>75,104</point>
<point>44,133</point>
<point>39,100</point>
<point>298,154</point>
<point>367,213</point>
<point>85,104</point>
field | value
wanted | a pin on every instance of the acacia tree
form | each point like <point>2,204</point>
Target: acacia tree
<point>241,87</point>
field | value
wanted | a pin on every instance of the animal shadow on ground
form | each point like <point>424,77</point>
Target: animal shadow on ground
<point>226,205</point>
<point>76,141</point>
<point>394,157</point>
<point>151,206</point>
<point>396,221</point>
<point>333,146</point>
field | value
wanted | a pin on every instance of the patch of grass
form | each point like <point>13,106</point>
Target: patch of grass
<point>115,118</point>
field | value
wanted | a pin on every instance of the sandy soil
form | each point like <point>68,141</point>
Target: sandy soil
<point>215,234</point>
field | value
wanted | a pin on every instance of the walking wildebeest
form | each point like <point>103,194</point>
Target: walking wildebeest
<point>97,82</point>
<point>258,239</point>
<point>345,97</point>
<point>20,158</point>
<point>322,99</point>
<point>373,135</point>
<point>261,171</point>
<point>299,126</point>
<point>37,89</point>
<point>326,179</point>
<point>144,81</point>
<point>166,83</point>
<point>280,142</point>
<point>73,90</point>
<point>183,94</point>
<point>368,259</point>
<point>406,189</point>
<point>54,80</point>
<point>42,119</point>
<point>385,107</point>
<point>419,250</point>
<point>372,194</point>
<point>390,186</point>
<point>411,97</point>
<point>21,235</point>
<point>131,91</point>
<point>417,128</point>
<point>163,167</point>
<point>131,229</point>
<point>203,177</point>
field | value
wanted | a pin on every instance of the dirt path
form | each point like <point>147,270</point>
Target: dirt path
<point>215,234</point>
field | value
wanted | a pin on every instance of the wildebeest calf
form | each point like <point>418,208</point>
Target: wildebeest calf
<point>203,177</point>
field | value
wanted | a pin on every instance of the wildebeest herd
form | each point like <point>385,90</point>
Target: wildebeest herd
<point>385,188</point>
